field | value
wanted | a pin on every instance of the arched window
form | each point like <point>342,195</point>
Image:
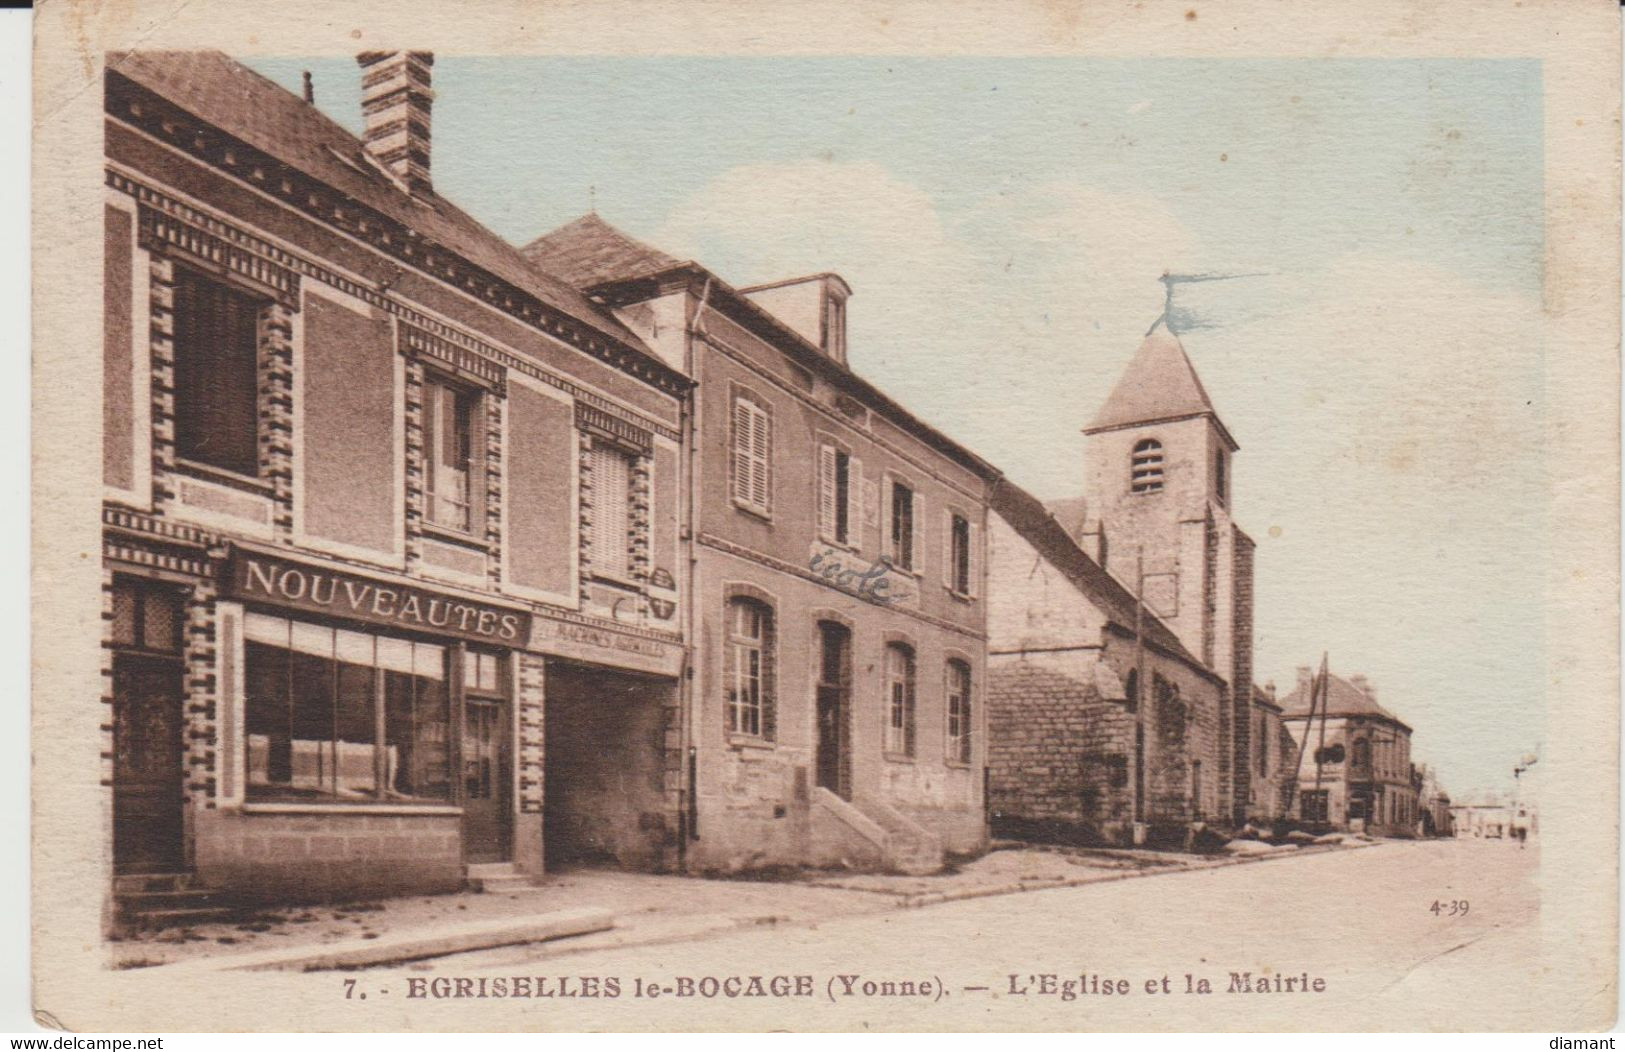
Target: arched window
<point>899,699</point>
<point>748,668</point>
<point>959,710</point>
<point>1146,466</point>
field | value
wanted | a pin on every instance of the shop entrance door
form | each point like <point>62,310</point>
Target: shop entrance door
<point>485,781</point>
<point>834,689</point>
<point>146,764</point>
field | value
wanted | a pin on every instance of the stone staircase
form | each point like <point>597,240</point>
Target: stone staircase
<point>149,901</point>
<point>910,848</point>
<point>870,833</point>
<point>498,878</point>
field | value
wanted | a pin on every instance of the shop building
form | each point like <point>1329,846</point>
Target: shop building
<point>1356,770</point>
<point>392,570</point>
<point>837,597</point>
<point>1071,757</point>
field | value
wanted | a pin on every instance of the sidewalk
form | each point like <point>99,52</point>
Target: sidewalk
<point>646,908</point>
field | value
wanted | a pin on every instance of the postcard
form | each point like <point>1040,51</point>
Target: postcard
<point>704,516</point>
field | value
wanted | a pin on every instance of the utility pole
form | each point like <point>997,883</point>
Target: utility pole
<point>1323,686</point>
<point>1142,693</point>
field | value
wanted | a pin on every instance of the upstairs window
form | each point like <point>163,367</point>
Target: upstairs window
<point>899,700</point>
<point>216,374</point>
<point>611,511</point>
<point>1146,467</point>
<point>959,545</point>
<point>959,712</point>
<point>840,481</point>
<point>902,534</point>
<point>1221,477</point>
<point>751,458</point>
<point>448,442</point>
<point>747,668</point>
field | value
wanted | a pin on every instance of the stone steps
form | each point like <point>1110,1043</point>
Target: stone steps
<point>149,901</point>
<point>498,878</point>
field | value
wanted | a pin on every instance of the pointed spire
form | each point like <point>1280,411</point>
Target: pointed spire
<point>1159,384</point>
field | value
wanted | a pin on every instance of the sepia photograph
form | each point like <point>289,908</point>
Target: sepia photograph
<point>601,530</point>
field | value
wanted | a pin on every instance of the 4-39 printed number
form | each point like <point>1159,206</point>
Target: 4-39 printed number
<point>1453,908</point>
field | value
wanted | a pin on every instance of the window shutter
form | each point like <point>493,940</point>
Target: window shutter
<point>826,492</point>
<point>908,711</point>
<point>885,518</point>
<point>949,563</point>
<point>973,586</point>
<point>950,746</point>
<point>741,450</point>
<point>761,449</point>
<point>854,502</point>
<point>918,535</point>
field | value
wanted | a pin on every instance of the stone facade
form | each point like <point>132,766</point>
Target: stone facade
<point>1070,755</point>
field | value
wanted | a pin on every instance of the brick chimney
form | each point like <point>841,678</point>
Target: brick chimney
<point>1364,686</point>
<point>1306,676</point>
<point>395,102</point>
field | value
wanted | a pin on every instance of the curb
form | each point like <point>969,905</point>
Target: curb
<point>932,898</point>
<point>411,946</point>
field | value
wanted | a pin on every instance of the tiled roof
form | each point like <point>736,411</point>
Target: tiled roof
<point>240,102</point>
<point>589,251</point>
<point>1027,515</point>
<point>1342,699</point>
<point>1159,384</point>
<point>617,267</point>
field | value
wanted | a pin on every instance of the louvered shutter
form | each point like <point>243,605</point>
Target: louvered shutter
<point>761,450</point>
<point>917,559</point>
<point>741,450</point>
<point>909,708</point>
<point>826,493</point>
<point>973,585</point>
<point>854,502</point>
<point>948,560</point>
<point>885,503</point>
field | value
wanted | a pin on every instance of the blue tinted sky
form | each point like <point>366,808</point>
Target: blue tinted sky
<point>1004,222</point>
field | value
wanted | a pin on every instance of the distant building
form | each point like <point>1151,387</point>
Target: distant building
<point>1274,754</point>
<point>1356,770</point>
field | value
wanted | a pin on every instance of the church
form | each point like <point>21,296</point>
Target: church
<point>1143,591</point>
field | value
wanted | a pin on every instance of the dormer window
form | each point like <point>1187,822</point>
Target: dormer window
<point>1146,467</point>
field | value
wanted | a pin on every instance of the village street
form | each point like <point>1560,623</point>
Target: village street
<point>1362,921</point>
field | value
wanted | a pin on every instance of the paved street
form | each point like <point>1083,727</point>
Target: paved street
<point>1359,920</point>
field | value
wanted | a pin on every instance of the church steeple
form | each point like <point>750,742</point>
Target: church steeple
<point>1159,386</point>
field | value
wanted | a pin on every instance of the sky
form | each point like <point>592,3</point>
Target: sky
<point>1003,223</point>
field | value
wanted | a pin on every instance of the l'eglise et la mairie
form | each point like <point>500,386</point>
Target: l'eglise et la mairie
<point>431,559</point>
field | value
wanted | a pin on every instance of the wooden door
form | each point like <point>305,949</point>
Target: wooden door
<point>147,800</point>
<point>833,692</point>
<point>485,781</point>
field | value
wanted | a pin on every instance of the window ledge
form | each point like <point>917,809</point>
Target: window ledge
<point>751,509</point>
<point>224,477</point>
<point>746,741</point>
<point>958,765</point>
<point>452,535</point>
<point>898,757</point>
<point>963,597</point>
<point>272,807</point>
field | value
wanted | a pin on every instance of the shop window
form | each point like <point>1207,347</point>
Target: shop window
<point>959,712</point>
<point>751,460</point>
<point>146,616</point>
<point>1313,805</point>
<point>1146,466</point>
<point>899,700</point>
<point>748,668</point>
<point>611,510</point>
<point>334,714</point>
<point>216,340</point>
<point>448,442</point>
